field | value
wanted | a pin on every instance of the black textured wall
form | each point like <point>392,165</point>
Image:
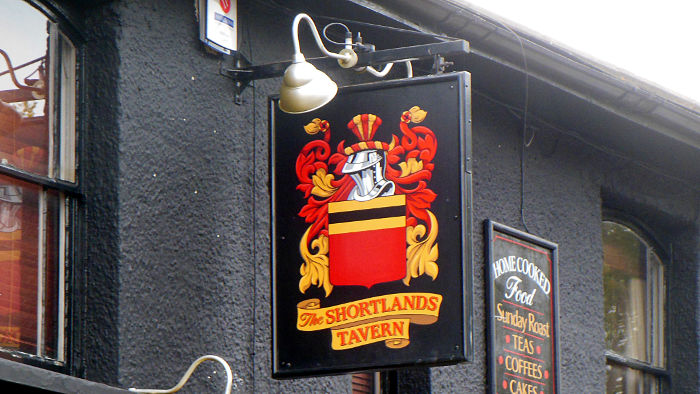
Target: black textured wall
<point>562,204</point>
<point>178,214</point>
<point>95,327</point>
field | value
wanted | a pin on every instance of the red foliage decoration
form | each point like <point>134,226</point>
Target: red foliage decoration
<point>418,143</point>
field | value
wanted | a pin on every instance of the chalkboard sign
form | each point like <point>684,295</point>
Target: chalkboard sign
<point>523,312</point>
<point>371,238</point>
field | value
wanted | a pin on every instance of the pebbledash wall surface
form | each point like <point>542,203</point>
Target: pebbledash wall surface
<point>177,248</point>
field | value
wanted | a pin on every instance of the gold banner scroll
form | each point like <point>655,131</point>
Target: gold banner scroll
<point>370,320</point>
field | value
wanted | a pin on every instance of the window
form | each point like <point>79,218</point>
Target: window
<point>365,383</point>
<point>38,182</point>
<point>634,295</point>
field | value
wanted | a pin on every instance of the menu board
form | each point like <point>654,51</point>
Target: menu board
<point>523,312</point>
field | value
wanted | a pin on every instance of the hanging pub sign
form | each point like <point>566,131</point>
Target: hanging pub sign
<point>523,312</point>
<point>371,234</point>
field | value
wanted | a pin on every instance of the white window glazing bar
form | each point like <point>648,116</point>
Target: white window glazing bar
<point>67,111</point>
<point>63,226</point>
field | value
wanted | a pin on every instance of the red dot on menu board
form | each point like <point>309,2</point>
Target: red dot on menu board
<point>539,349</point>
<point>505,385</point>
<point>500,360</point>
<point>541,392</point>
<point>507,338</point>
<point>546,374</point>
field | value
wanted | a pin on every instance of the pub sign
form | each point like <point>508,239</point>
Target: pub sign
<point>371,233</point>
<point>523,312</point>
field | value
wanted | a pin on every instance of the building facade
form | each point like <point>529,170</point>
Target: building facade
<point>151,188</point>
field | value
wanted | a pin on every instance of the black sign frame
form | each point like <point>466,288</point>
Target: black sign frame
<point>447,98</point>
<point>527,362</point>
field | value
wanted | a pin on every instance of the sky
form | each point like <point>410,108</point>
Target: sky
<point>24,47</point>
<point>656,41</point>
<point>21,47</point>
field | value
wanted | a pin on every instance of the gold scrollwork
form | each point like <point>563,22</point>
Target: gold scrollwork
<point>421,254</point>
<point>314,270</point>
<point>322,184</point>
<point>410,166</point>
<point>417,114</point>
<point>314,127</point>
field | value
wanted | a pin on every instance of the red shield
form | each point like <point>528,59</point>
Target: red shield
<point>225,5</point>
<point>367,241</point>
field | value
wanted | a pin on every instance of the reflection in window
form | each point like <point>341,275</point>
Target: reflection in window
<point>37,146</point>
<point>28,224</point>
<point>634,291</point>
<point>37,69</point>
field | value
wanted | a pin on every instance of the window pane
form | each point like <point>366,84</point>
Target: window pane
<point>363,383</point>
<point>37,135</point>
<point>625,292</point>
<point>24,115</point>
<point>658,293</point>
<point>28,266</point>
<point>621,379</point>
<point>52,277</point>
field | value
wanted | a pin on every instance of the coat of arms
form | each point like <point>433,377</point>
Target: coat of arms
<point>367,205</point>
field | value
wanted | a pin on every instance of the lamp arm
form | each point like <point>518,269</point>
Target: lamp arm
<point>295,38</point>
<point>409,69</point>
<point>11,70</point>
<point>380,74</point>
<point>186,377</point>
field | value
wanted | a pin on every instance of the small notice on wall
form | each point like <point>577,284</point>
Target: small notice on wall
<point>522,279</point>
<point>218,25</point>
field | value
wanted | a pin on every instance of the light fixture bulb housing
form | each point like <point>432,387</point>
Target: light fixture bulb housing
<point>305,88</point>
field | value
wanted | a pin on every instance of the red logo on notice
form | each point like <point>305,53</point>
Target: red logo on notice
<point>225,5</point>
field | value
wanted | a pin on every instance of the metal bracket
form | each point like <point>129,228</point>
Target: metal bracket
<point>440,65</point>
<point>237,62</point>
<point>242,72</point>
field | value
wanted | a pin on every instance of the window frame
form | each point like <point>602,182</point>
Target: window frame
<point>72,197</point>
<point>646,236</point>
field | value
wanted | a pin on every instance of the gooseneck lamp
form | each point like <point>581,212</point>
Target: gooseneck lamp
<point>304,87</point>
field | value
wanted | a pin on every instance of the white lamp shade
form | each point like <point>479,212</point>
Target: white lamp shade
<point>305,88</point>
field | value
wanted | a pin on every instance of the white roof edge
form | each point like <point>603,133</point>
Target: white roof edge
<point>672,115</point>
